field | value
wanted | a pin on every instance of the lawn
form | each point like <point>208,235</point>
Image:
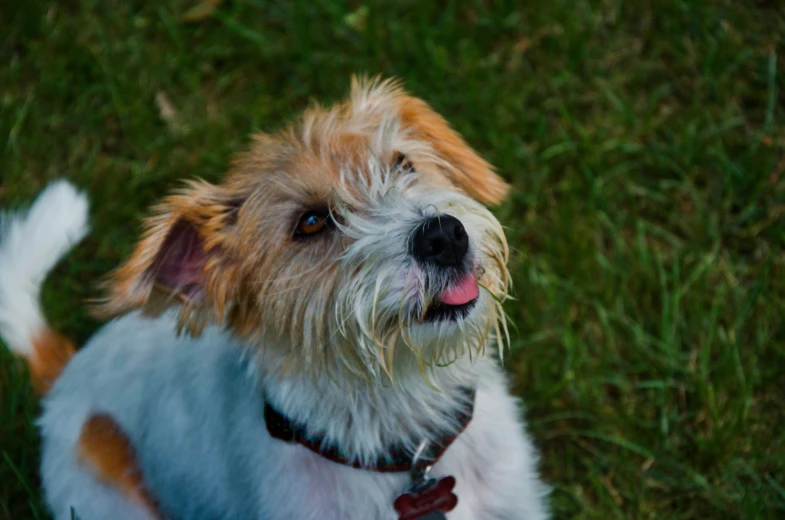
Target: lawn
<point>645,141</point>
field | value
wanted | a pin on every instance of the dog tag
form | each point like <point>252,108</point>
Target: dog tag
<point>427,500</point>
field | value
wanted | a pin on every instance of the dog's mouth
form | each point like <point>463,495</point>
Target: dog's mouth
<point>454,302</point>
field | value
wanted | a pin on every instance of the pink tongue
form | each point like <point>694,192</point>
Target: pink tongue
<point>462,292</point>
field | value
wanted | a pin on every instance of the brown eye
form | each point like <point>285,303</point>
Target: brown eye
<point>311,223</point>
<point>401,163</point>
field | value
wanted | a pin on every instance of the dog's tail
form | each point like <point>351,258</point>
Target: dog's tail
<point>31,244</point>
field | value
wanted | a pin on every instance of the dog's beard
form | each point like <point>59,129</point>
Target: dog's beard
<point>383,297</point>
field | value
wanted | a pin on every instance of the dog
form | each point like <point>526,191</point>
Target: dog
<point>315,337</point>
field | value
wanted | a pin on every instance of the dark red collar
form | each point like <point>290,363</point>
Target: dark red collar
<point>397,458</point>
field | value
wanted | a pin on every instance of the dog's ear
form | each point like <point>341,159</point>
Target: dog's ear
<point>462,165</point>
<point>183,257</point>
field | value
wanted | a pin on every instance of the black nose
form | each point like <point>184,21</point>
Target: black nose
<point>440,241</point>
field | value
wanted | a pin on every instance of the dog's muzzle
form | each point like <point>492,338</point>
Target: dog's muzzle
<point>441,245</point>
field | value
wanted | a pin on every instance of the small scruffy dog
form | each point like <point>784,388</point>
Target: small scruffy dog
<point>309,340</point>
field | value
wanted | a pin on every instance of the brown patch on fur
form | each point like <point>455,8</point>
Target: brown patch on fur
<point>465,168</point>
<point>51,353</point>
<point>104,447</point>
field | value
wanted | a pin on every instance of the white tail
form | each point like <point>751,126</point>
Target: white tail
<point>31,243</point>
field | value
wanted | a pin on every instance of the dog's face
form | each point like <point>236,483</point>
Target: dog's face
<point>355,240</point>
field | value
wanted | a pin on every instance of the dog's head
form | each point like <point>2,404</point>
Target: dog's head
<point>355,239</point>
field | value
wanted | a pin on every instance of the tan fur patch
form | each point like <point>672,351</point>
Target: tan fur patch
<point>466,169</point>
<point>51,352</point>
<point>106,449</point>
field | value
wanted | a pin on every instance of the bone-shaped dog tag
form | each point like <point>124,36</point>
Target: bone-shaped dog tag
<point>427,500</point>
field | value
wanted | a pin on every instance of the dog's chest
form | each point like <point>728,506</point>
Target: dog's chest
<point>222,463</point>
<point>309,486</point>
<point>290,481</point>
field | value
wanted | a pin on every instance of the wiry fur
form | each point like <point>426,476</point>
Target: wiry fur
<point>384,291</point>
<point>329,329</point>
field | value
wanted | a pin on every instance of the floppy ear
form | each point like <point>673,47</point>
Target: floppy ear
<point>183,257</point>
<point>465,168</point>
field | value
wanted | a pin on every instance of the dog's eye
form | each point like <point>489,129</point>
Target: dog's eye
<point>402,163</point>
<point>310,223</point>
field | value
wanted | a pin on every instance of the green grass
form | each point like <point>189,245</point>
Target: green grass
<point>645,141</point>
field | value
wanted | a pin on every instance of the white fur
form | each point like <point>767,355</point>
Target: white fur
<point>193,410</point>
<point>193,407</point>
<point>30,246</point>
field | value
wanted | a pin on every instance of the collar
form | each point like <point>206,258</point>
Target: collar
<point>397,458</point>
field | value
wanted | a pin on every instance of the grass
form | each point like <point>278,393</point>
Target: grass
<point>645,141</point>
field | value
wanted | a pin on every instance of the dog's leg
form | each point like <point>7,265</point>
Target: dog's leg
<point>497,461</point>
<point>515,491</point>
